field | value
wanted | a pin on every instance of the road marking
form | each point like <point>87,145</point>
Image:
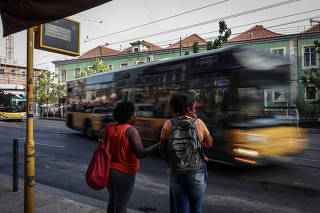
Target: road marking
<point>43,144</point>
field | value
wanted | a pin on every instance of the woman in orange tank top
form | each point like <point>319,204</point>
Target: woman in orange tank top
<point>126,149</point>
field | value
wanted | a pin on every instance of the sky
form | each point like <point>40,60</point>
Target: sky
<point>186,17</point>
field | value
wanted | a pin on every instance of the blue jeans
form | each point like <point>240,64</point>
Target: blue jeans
<point>187,190</point>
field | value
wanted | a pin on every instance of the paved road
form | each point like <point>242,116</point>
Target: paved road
<point>62,156</point>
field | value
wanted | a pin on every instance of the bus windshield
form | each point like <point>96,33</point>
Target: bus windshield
<point>13,103</point>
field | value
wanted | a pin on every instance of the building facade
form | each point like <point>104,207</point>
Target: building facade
<point>13,76</point>
<point>298,48</point>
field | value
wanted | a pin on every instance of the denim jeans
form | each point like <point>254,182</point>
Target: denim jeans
<point>187,190</point>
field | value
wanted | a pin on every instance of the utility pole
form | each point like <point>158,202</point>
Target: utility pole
<point>180,47</point>
<point>10,47</point>
<point>29,155</point>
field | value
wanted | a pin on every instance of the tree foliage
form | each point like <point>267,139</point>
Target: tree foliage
<point>195,47</point>
<point>98,67</point>
<point>224,35</point>
<point>46,91</point>
<point>312,76</point>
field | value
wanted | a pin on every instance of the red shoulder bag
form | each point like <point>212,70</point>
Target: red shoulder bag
<point>97,175</point>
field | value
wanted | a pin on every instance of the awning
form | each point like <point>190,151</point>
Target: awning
<point>18,15</point>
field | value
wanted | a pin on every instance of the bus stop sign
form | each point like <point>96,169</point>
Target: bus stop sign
<point>60,36</point>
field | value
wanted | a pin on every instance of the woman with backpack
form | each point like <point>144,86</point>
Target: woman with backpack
<point>126,149</point>
<point>181,144</point>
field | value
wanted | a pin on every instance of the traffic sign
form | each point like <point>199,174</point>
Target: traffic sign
<point>60,36</point>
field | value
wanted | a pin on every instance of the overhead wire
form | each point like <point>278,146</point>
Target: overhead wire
<point>238,33</point>
<point>256,22</point>
<point>209,22</point>
<point>223,18</point>
<point>159,20</point>
<point>146,24</point>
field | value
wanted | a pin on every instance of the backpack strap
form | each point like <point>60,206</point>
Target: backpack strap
<point>176,121</point>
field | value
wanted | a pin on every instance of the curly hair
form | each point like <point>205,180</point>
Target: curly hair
<point>180,102</point>
<point>123,111</point>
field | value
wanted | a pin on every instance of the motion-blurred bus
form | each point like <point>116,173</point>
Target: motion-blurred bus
<point>233,88</point>
<point>12,106</point>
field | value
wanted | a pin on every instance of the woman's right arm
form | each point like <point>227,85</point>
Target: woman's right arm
<point>136,144</point>
<point>163,148</point>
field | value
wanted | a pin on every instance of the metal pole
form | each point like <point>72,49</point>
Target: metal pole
<point>29,165</point>
<point>15,165</point>
<point>180,47</point>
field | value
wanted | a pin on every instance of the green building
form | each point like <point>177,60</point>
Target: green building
<point>298,48</point>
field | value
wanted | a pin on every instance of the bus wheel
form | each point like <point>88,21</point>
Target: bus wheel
<point>69,121</point>
<point>87,129</point>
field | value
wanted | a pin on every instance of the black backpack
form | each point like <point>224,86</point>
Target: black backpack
<point>185,152</point>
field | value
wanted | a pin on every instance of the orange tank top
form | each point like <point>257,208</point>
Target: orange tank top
<point>123,159</point>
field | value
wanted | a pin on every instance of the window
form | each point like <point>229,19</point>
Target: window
<point>150,58</point>
<point>77,72</point>
<point>309,56</point>
<point>136,49</point>
<point>123,65</point>
<point>63,76</point>
<point>1,71</point>
<point>279,96</point>
<point>310,93</point>
<point>23,73</point>
<point>13,72</point>
<point>278,51</point>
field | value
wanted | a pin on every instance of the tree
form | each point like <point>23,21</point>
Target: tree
<point>43,94</point>
<point>224,34</point>
<point>195,47</point>
<point>312,76</point>
<point>46,91</point>
<point>59,91</point>
<point>98,67</point>
<point>210,45</point>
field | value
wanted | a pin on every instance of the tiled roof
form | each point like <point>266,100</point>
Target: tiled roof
<point>99,51</point>
<point>187,42</point>
<point>313,29</point>
<point>151,47</point>
<point>255,32</point>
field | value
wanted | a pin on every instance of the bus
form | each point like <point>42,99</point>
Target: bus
<point>232,87</point>
<point>12,106</point>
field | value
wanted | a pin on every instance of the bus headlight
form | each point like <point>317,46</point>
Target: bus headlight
<point>256,138</point>
<point>246,152</point>
<point>3,117</point>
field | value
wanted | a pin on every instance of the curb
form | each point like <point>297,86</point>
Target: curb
<point>100,205</point>
<point>51,118</point>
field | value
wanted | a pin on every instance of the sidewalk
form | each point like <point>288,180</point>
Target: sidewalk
<point>44,201</point>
